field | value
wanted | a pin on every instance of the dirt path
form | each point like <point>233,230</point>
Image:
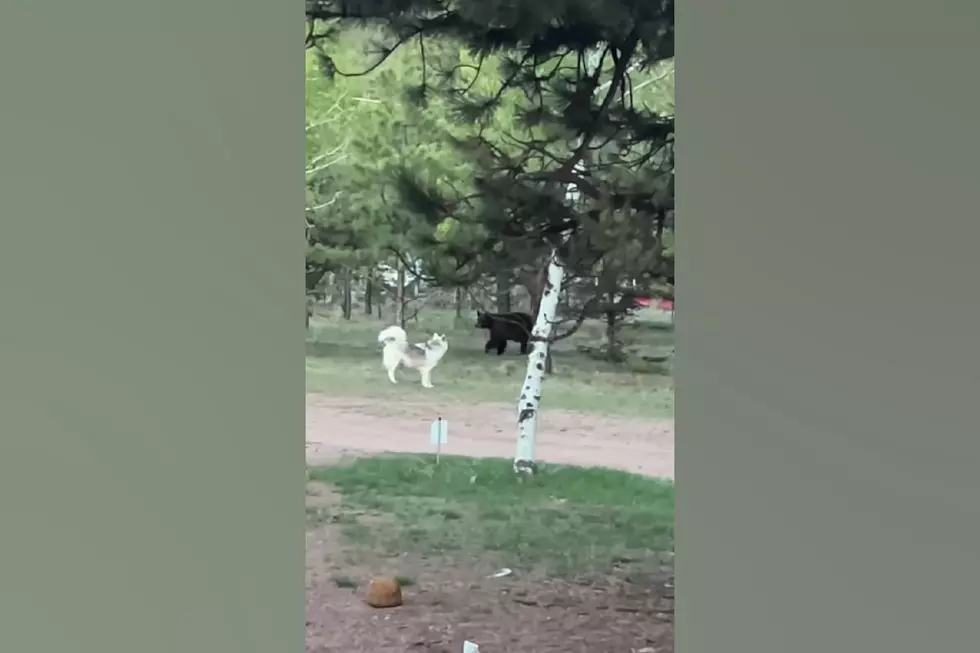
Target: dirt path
<point>336,426</point>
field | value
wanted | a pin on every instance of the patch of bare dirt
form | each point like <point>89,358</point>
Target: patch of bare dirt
<point>339,426</point>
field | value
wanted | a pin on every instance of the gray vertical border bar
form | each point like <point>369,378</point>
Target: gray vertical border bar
<point>827,385</point>
<point>151,356</point>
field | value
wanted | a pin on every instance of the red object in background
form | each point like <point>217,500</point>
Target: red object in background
<point>662,304</point>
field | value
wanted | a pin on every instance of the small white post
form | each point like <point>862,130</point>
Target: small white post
<point>439,435</point>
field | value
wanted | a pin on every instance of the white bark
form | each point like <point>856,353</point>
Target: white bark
<point>528,406</point>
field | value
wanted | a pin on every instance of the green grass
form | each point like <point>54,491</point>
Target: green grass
<point>564,521</point>
<point>343,358</point>
<point>405,581</point>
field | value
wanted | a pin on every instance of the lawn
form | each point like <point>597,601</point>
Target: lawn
<point>563,522</point>
<point>344,358</point>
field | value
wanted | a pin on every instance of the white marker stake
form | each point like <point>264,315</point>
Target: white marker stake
<point>470,647</point>
<point>439,435</point>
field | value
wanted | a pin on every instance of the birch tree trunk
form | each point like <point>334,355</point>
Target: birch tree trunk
<point>528,406</point>
<point>539,359</point>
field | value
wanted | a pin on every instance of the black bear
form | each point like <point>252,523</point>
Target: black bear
<point>515,327</point>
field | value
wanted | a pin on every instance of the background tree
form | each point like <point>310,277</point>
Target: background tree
<point>362,128</point>
<point>335,241</point>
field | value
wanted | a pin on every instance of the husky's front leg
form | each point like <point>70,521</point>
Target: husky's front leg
<point>426,382</point>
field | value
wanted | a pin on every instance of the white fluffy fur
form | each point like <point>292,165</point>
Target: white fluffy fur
<point>398,352</point>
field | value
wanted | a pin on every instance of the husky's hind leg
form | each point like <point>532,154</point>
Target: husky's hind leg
<point>391,365</point>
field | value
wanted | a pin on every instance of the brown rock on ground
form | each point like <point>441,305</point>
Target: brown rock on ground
<point>383,593</point>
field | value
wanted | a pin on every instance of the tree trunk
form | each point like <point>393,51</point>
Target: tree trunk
<point>529,403</point>
<point>534,284</point>
<point>613,354</point>
<point>368,292</point>
<point>416,293</point>
<point>503,294</point>
<point>400,295</point>
<point>347,303</point>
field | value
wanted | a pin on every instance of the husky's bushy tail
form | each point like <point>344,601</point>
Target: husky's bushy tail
<point>395,342</point>
<point>394,335</point>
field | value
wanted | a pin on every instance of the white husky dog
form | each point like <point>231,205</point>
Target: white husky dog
<point>397,352</point>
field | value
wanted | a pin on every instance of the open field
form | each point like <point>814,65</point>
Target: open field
<point>344,359</point>
<point>589,550</point>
